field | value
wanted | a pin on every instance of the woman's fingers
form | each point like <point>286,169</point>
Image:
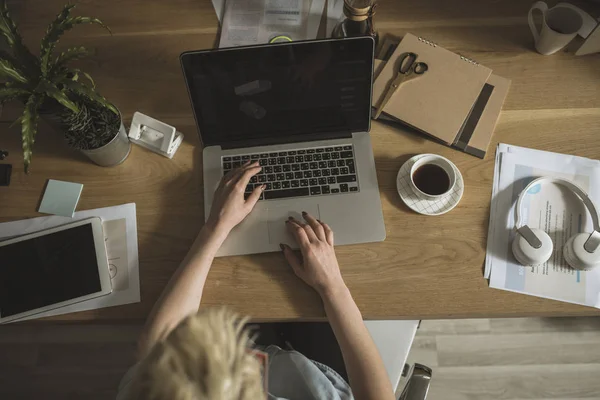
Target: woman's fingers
<point>249,173</point>
<point>310,234</point>
<point>328,232</point>
<point>227,178</point>
<point>292,259</point>
<point>298,232</point>
<point>244,178</point>
<point>317,228</point>
<point>254,196</point>
<point>237,173</point>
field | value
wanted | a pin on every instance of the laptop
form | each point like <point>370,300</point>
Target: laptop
<point>303,110</point>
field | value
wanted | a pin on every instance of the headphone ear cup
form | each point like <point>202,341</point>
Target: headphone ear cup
<point>528,255</point>
<point>578,257</point>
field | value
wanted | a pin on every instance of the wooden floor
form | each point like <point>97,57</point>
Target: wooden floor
<point>471,359</point>
<point>528,358</point>
<point>64,361</point>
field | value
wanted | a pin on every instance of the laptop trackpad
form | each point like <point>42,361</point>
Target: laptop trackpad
<point>276,217</point>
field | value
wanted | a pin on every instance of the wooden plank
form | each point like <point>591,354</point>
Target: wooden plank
<point>557,381</point>
<point>103,354</point>
<point>27,333</point>
<point>518,349</point>
<point>454,327</point>
<point>534,325</point>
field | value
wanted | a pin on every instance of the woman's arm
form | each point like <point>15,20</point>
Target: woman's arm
<point>319,268</point>
<point>183,293</point>
<point>367,374</point>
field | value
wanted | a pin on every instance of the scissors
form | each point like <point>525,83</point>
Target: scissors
<point>409,69</point>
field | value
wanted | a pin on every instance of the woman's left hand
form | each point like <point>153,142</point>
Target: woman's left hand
<point>229,206</point>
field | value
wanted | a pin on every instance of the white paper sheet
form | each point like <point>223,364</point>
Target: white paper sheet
<point>549,207</point>
<point>120,231</point>
<point>219,6</point>
<point>250,22</point>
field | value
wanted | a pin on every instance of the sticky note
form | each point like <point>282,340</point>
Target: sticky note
<point>61,198</point>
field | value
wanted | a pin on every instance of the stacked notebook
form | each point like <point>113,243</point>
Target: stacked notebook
<point>457,100</point>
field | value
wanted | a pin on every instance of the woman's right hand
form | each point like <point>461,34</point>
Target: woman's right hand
<point>319,267</point>
<point>229,206</point>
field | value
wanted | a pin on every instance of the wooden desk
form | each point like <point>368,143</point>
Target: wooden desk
<point>428,267</point>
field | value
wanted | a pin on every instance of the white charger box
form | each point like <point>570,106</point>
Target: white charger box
<point>154,135</point>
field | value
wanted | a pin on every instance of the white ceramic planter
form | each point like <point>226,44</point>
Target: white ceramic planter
<point>113,153</point>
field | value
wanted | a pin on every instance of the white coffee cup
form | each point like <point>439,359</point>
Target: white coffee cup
<point>560,25</point>
<point>441,162</point>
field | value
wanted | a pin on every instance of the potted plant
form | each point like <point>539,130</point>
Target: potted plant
<point>47,86</point>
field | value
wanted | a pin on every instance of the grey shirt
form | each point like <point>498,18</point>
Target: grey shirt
<point>292,376</point>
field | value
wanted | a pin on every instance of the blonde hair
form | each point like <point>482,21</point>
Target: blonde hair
<point>205,357</point>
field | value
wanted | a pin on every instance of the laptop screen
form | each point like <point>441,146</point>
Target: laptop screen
<point>280,90</point>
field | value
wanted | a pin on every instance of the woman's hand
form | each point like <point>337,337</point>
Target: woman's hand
<point>319,267</point>
<point>229,207</point>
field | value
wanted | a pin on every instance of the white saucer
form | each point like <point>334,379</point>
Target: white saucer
<point>422,205</point>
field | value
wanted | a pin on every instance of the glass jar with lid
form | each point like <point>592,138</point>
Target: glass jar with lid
<point>357,19</point>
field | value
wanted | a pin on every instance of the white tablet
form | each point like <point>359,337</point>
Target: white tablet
<point>53,268</point>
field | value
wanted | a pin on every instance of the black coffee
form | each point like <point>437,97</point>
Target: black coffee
<point>431,179</point>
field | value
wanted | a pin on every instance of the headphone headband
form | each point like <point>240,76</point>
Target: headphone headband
<point>593,241</point>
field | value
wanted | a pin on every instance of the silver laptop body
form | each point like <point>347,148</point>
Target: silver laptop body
<point>329,173</point>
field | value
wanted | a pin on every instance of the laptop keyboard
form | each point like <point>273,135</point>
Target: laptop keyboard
<point>297,173</point>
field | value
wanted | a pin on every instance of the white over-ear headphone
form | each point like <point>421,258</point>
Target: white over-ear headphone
<point>533,246</point>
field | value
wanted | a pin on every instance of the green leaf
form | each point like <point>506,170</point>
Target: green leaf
<point>6,24</point>
<point>19,85</point>
<point>71,74</point>
<point>4,55</point>
<point>56,29</point>
<point>71,54</point>
<point>10,93</point>
<point>70,22</point>
<point>61,74</point>
<point>8,29</point>
<point>9,71</point>
<point>53,33</point>
<point>29,125</point>
<point>51,90</point>
<point>76,72</point>
<point>82,90</point>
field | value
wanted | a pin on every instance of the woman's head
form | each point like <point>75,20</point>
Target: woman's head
<point>205,357</point>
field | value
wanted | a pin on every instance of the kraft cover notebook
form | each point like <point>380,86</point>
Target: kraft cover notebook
<point>476,134</point>
<point>457,101</point>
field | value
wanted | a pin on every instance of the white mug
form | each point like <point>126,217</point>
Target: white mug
<point>560,25</point>
<point>440,161</point>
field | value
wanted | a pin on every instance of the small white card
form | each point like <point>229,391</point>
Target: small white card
<point>60,198</point>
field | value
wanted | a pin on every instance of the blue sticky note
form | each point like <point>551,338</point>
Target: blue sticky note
<point>61,198</point>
